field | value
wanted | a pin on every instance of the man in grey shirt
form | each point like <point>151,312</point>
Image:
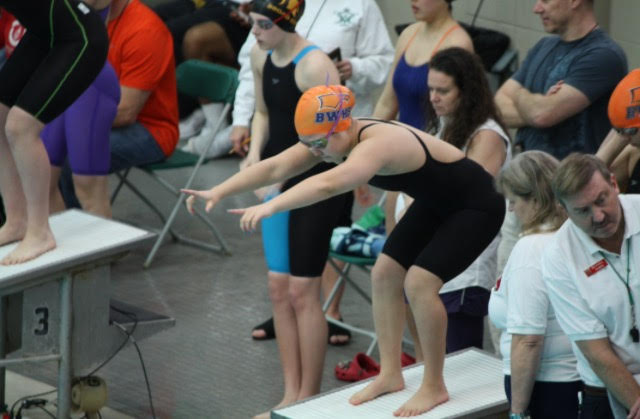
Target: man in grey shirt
<point>558,98</point>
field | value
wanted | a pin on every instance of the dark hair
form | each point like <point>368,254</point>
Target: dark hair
<point>476,103</point>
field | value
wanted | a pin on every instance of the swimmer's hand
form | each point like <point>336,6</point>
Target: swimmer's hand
<point>252,216</point>
<point>209,195</point>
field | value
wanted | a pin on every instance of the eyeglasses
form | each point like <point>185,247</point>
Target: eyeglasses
<point>264,24</point>
<point>627,131</point>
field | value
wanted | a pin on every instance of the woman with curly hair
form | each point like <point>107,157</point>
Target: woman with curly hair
<point>461,111</point>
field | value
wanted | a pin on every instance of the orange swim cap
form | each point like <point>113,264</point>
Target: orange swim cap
<point>324,109</point>
<point>624,105</point>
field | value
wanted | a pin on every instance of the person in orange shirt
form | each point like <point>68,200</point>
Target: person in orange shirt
<point>141,52</point>
<point>145,129</point>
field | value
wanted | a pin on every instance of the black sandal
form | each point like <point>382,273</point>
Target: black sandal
<point>337,330</point>
<point>269,330</point>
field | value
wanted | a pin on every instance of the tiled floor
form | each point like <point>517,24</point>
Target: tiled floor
<point>207,366</point>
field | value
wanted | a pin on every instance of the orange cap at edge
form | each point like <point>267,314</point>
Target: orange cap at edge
<point>624,104</point>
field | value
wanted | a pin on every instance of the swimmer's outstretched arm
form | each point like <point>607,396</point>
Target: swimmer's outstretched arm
<point>291,162</point>
<point>363,163</point>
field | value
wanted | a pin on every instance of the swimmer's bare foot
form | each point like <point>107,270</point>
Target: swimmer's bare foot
<point>425,399</point>
<point>12,232</point>
<point>382,384</point>
<point>31,246</point>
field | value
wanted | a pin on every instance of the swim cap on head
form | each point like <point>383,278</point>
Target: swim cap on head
<point>624,104</point>
<point>322,109</point>
<point>284,13</point>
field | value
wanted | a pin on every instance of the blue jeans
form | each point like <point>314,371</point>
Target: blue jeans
<point>132,145</point>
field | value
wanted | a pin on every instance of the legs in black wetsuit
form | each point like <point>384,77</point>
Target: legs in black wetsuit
<point>63,50</point>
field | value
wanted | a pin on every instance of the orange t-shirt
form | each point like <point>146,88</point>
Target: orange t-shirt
<point>141,53</point>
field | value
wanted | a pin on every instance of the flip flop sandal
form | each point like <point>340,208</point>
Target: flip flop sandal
<point>362,367</point>
<point>269,330</point>
<point>337,330</point>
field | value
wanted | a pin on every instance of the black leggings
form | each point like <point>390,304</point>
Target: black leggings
<point>62,52</point>
<point>310,230</point>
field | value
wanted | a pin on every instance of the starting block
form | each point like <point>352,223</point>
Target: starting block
<point>473,377</point>
<point>57,307</point>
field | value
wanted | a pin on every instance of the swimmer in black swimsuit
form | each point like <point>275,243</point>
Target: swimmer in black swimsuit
<point>64,49</point>
<point>455,215</point>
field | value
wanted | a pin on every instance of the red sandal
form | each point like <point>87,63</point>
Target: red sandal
<point>362,367</point>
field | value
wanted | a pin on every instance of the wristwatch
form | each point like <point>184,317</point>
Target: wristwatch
<point>522,415</point>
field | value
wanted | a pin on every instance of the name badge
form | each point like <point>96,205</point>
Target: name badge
<point>598,266</point>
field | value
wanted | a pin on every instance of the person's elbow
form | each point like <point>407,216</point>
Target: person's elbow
<point>328,188</point>
<point>125,117</point>
<point>333,183</point>
<point>503,101</point>
<point>123,121</point>
<point>529,342</point>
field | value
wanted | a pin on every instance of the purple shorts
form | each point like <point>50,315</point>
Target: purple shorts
<point>81,133</point>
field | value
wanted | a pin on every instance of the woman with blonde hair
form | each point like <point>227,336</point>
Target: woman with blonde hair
<point>541,379</point>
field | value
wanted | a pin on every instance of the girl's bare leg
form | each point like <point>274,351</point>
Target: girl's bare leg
<point>387,279</point>
<point>312,332</point>
<point>422,289</point>
<point>285,324</point>
<point>32,165</point>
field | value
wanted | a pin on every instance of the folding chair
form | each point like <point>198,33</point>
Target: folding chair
<point>198,79</point>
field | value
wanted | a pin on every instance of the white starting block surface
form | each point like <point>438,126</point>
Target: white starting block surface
<point>63,298</point>
<point>80,238</point>
<point>473,377</point>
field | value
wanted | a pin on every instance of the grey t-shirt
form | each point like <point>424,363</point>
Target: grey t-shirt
<point>594,65</point>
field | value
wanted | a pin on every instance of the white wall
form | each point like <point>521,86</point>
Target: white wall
<point>516,19</point>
